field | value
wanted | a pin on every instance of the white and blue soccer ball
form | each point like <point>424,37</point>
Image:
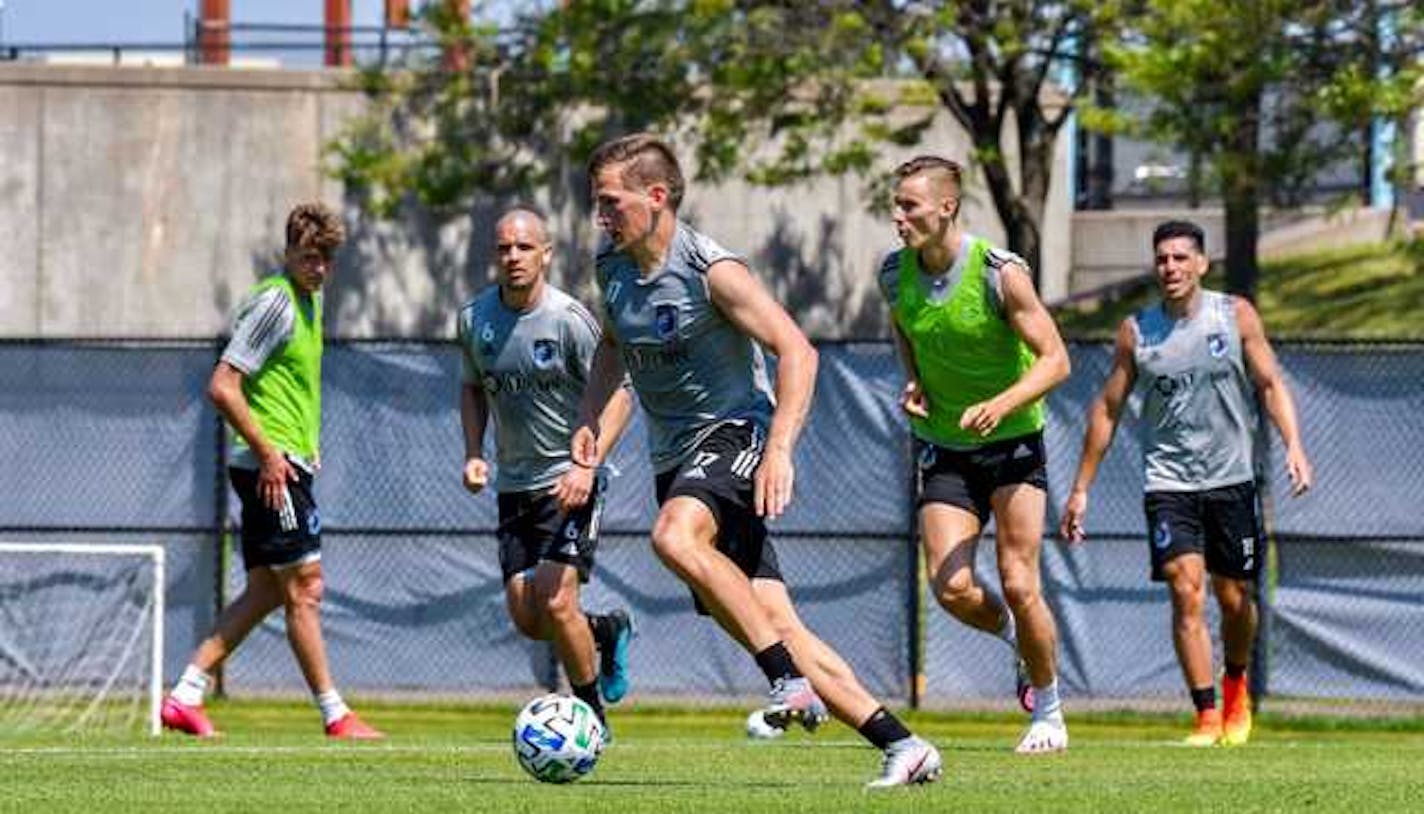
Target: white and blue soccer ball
<point>557,738</point>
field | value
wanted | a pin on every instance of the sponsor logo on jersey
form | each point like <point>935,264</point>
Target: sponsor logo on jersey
<point>1216,345</point>
<point>513,383</point>
<point>545,352</point>
<point>651,357</point>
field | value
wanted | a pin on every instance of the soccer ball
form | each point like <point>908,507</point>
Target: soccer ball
<point>759,729</point>
<point>557,739</point>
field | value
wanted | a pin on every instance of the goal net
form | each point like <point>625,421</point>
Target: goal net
<point>81,637</point>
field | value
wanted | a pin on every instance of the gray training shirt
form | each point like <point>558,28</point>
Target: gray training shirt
<point>533,367</point>
<point>692,369</point>
<point>1199,406</point>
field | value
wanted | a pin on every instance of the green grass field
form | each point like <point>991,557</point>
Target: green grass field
<point>458,759</point>
<point>1362,292</point>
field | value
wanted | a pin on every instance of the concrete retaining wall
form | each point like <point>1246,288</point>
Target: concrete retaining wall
<point>144,202</point>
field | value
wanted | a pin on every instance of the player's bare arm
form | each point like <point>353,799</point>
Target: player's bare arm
<point>474,415</point>
<point>1275,396</point>
<point>1103,417</point>
<point>746,302</point>
<point>913,399</point>
<point>225,391</point>
<point>1028,317</point>
<point>575,486</point>
<point>605,377</point>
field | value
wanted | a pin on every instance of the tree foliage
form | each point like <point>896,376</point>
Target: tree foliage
<point>772,92</point>
<point>1268,92</point>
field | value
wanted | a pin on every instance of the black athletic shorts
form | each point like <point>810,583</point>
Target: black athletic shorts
<point>1220,524</point>
<point>967,478</point>
<point>533,530</point>
<point>719,474</point>
<point>282,538</point>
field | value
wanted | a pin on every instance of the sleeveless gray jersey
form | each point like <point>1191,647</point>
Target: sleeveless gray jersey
<point>692,369</point>
<point>533,366</point>
<point>1198,404</point>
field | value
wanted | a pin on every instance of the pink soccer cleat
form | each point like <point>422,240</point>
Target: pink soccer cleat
<point>180,717</point>
<point>349,727</point>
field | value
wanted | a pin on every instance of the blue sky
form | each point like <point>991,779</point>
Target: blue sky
<point>107,21</point>
<point>161,21</point>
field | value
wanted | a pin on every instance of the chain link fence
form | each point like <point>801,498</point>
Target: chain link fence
<point>115,442</point>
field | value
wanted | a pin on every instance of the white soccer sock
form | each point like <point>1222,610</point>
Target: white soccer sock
<point>1046,704</point>
<point>1009,631</point>
<point>331,706</point>
<point>190,687</point>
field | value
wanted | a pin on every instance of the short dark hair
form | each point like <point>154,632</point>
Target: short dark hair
<point>1179,228</point>
<point>649,160</point>
<point>936,164</point>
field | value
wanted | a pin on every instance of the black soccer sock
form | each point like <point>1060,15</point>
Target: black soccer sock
<point>588,693</point>
<point>1204,698</point>
<point>1235,671</point>
<point>882,729</point>
<point>600,626</point>
<point>776,662</point>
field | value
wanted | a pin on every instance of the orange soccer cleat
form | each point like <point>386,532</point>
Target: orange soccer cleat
<point>1207,731</point>
<point>1236,728</point>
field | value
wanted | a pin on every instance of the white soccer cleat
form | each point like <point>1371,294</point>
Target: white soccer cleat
<point>908,762</point>
<point>1043,738</point>
<point>793,699</point>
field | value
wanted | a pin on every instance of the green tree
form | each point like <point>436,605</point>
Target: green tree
<point>1268,92</point>
<point>769,91</point>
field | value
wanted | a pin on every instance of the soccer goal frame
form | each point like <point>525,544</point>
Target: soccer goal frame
<point>157,555</point>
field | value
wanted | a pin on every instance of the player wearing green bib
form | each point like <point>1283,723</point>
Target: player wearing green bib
<point>979,352</point>
<point>268,388</point>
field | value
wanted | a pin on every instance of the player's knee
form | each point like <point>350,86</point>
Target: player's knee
<point>1021,591</point>
<point>1187,603</point>
<point>957,592</point>
<point>305,591</point>
<point>1235,606</point>
<point>559,604</point>
<point>672,542</point>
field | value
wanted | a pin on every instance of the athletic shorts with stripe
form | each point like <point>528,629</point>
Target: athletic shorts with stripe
<point>281,538</point>
<point>1220,524</point>
<point>719,475</point>
<point>533,530</point>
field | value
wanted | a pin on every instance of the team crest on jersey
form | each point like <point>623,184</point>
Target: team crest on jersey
<point>545,352</point>
<point>665,321</point>
<point>1216,345</point>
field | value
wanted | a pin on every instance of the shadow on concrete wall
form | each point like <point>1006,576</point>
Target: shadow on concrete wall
<point>802,272</point>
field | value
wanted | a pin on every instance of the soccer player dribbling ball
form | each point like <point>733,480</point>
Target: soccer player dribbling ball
<point>685,319</point>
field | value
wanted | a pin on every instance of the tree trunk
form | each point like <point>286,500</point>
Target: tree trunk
<point>1100,174</point>
<point>1241,194</point>
<point>1021,225</point>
